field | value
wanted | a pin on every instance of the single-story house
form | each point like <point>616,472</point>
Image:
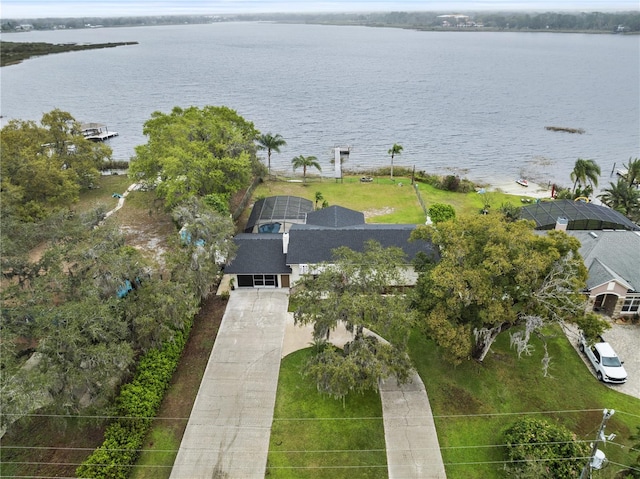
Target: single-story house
<point>613,261</point>
<point>278,259</point>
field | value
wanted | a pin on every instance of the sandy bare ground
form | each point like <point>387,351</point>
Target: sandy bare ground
<point>378,212</point>
<point>534,190</point>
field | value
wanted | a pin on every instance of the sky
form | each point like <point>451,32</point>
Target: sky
<point>121,8</point>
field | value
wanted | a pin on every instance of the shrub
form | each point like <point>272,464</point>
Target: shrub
<point>539,448</point>
<point>136,405</point>
<point>450,183</point>
<point>439,212</point>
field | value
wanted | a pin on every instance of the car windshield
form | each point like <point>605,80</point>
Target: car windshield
<point>611,362</point>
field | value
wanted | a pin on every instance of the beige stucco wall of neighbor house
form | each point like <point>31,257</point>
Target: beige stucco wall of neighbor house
<point>612,288</point>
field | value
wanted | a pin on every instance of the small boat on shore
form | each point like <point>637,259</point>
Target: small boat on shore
<point>522,182</point>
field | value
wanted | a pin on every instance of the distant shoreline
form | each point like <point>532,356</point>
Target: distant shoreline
<point>12,53</point>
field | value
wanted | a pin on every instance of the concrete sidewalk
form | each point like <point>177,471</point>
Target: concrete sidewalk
<point>413,450</point>
<point>228,431</point>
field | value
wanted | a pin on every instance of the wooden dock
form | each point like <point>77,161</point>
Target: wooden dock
<point>97,132</point>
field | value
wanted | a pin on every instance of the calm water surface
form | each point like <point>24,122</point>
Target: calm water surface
<point>464,102</point>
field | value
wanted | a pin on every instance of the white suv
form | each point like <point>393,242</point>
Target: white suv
<point>605,361</point>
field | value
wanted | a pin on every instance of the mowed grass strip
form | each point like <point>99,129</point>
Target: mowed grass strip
<point>474,403</point>
<point>314,436</point>
<point>469,203</point>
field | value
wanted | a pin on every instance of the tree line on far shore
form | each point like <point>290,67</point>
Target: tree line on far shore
<point>617,22</point>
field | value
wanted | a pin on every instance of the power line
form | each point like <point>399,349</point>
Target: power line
<point>353,466</point>
<point>294,451</point>
<point>438,416</point>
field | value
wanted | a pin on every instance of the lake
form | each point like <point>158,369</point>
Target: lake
<point>469,103</point>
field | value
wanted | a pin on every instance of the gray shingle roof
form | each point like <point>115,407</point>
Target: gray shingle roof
<point>611,255</point>
<point>335,217</point>
<point>311,244</point>
<point>258,254</point>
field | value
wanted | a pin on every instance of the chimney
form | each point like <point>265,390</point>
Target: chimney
<point>285,243</point>
<point>561,223</point>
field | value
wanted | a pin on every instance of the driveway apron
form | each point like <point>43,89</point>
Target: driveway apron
<point>227,435</point>
<point>413,450</point>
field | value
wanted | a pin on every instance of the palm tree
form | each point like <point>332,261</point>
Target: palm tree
<point>270,142</point>
<point>583,171</point>
<point>622,197</point>
<point>393,151</point>
<point>633,171</point>
<point>304,162</point>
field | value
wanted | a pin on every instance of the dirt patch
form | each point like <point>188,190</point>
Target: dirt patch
<point>465,402</point>
<point>378,212</point>
<point>42,446</point>
<point>146,226</point>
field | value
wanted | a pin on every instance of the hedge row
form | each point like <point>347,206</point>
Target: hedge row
<point>136,406</point>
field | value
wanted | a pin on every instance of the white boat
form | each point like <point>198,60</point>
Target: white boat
<point>522,181</point>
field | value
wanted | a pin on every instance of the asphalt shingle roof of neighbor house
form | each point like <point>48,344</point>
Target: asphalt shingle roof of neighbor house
<point>312,244</point>
<point>580,216</point>
<point>611,255</point>
<point>335,217</point>
<point>258,254</point>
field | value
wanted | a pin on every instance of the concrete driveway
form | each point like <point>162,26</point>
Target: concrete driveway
<point>227,435</point>
<point>625,340</point>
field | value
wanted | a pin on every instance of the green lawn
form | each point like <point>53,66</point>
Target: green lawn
<point>382,201</point>
<point>314,436</point>
<point>106,186</point>
<point>467,203</point>
<point>474,403</point>
<point>386,201</point>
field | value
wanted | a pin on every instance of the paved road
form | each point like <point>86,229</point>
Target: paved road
<point>227,435</point>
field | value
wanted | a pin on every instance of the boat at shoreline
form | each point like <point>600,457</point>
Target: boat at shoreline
<point>522,182</point>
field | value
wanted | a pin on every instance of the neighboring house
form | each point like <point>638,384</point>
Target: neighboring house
<point>575,215</point>
<point>613,261</point>
<point>279,259</point>
<point>610,249</point>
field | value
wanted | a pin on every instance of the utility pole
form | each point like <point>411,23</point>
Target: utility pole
<point>586,470</point>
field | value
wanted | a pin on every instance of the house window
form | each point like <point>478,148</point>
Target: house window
<point>270,280</point>
<point>631,304</point>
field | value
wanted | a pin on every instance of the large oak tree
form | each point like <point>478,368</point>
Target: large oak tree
<point>196,152</point>
<point>44,166</point>
<point>494,275</point>
<point>353,290</point>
